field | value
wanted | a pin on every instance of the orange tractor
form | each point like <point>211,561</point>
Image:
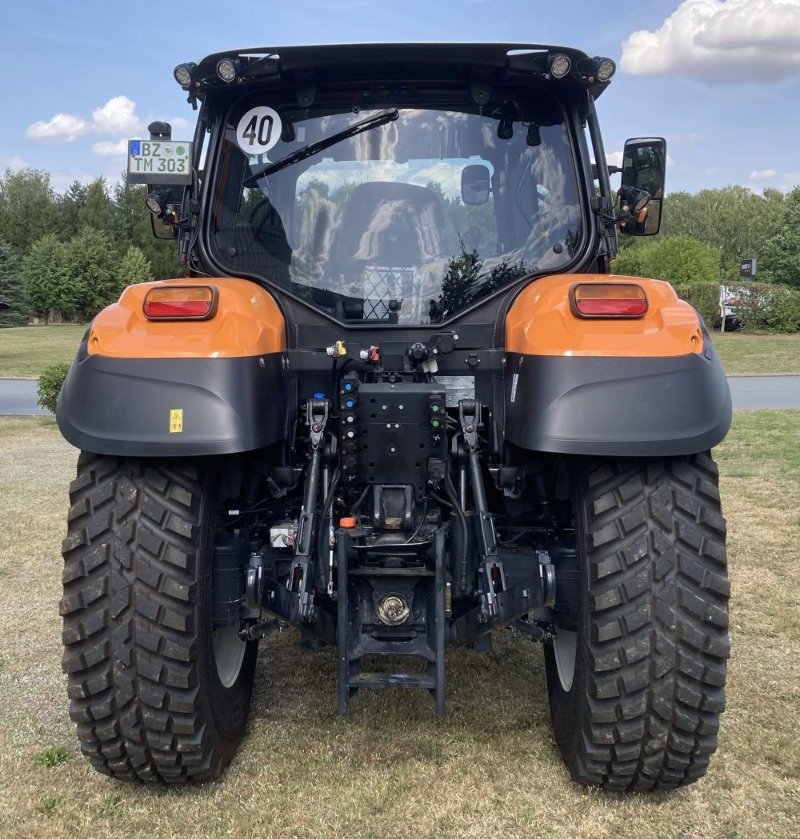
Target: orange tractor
<point>398,401</point>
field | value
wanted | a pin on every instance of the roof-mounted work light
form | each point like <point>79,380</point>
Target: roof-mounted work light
<point>558,64</point>
<point>228,69</point>
<point>604,69</point>
<point>184,74</point>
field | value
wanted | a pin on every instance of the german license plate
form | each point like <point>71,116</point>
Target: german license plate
<point>159,162</point>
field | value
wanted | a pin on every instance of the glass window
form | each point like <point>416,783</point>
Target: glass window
<point>410,221</point>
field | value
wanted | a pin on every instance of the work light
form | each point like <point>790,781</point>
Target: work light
<point>558,65</point>
<point>604,69</point>
<point>228,69</point>
<point>183,73</point>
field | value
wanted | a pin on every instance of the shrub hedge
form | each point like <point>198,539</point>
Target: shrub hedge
<point>704,297</point>
<point>50,382</point>
<point>763,307</point>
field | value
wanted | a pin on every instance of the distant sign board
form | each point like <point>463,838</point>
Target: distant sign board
<point>159,162</point>
<point>747,268</point>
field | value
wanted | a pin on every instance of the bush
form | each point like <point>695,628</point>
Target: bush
<point>704,297</point>
<point>767,308</point>
<point>677,259</point>
<point>50,382</point>
<point>134,267</point>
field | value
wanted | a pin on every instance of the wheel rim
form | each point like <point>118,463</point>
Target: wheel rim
<point>228,654</point>
<point>565,648</point>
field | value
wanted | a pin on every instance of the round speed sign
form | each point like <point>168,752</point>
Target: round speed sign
<point>258,130</point>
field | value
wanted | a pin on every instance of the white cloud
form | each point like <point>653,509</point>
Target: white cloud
<point>720,40</point>
<point>14,163</point>
<point>763,174</point>
<point>117,117</point>
<point>614,158</point>
<point>108,148</point>
<point>61,125</point>
<point>179,124</point>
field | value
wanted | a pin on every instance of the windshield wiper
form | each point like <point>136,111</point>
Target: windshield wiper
<point>315,148</point>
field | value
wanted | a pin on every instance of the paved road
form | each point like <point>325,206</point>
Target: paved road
<point>765,391</point>
<point>18,396</point>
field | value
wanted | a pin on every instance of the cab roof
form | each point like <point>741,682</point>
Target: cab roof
<point>474,62</point>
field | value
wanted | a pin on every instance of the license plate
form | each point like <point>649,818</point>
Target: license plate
<point>159,162</point>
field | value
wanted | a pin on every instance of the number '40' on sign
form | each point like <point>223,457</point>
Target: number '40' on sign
<point>258,130</point>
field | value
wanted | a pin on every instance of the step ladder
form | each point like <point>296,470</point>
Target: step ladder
<point>418,567</point>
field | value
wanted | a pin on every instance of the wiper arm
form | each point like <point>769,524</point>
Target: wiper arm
<point>315,148</point>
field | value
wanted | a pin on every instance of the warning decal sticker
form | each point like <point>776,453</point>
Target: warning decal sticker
<point>175,420</point>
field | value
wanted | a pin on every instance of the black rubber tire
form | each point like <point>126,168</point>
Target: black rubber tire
<point>643,709</point>
<point>142,678</point>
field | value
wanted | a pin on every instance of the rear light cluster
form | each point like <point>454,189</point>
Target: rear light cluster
<point>608,300</point>
<point>180,303</point>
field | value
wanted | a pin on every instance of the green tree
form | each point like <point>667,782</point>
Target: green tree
<point>70,207</point>
<point>735,221</point>
<point>676,259</point>
<point>130,225</point>
<point>134,267</point>
<point>782,250</point>
<point>97,209</point>
<point>45,278</point>
<point>27,208</point>
<point>11,291</point>
<point>93,269</point>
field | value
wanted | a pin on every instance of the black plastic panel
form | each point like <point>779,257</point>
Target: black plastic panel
<point>616,406</point>
<point>123,406</point>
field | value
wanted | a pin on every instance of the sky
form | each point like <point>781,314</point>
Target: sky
<point>719,79</point>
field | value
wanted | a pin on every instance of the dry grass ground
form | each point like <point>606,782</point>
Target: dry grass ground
<point>756,355</point>
<point>490,768</point>
<point>26,350</point>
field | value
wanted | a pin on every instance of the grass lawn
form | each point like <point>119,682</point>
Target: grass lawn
<point>392,769</point>
<point>26,350</point>
<point>758,354</point>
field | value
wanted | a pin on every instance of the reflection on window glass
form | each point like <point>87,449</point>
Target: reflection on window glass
<point>408,222</point>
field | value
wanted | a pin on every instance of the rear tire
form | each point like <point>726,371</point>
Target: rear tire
<point>640,709</point>
<point>153,696</point>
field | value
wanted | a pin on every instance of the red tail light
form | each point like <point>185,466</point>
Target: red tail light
<point>608,300</point>
<point>180,303</point>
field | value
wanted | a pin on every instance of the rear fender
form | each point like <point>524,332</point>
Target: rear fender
<point>648,386</point>
<point>184,388</point>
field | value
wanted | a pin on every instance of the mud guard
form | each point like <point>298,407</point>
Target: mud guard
<point>145,407</point>
<point>645,387</point>
<point>139,388</point>
<point>640,407</point>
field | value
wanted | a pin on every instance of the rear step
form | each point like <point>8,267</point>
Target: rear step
<point>426,681</point>
<point>422,640</point>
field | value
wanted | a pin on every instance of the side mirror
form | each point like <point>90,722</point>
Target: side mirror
<point>643,170</point>
<point>475,184</point>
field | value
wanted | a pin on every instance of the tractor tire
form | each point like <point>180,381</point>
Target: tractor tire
<point>156,695</point>
<point>636,692</point>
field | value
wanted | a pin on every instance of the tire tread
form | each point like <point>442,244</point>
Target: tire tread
<point>129,620</point>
